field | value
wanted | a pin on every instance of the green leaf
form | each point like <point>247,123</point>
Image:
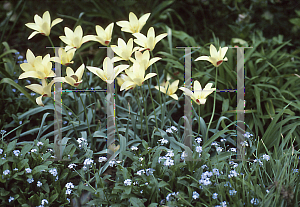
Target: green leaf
<point>11,146</point>
<point>22,90</point>
<point>42,124</point>
<point>38,169</point>
<point>136,202</point>
<point>53,198</point>
<point>295,21</point>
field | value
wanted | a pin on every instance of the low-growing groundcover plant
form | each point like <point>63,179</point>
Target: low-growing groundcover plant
<point>150,166</point>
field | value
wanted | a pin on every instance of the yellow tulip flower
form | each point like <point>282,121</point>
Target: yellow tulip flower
<point>29,66</point>
<point>104,36</point>
<point>216,57</point>
<point>122,50</point>
<point>106,74</point>
<point>123,78</point>
<point>199,95</point>
<point>44,90</point>
<point>64,57</point>
<point>149,42</point>
<point>74,79</point>
<point>37,67</point>
<point>134,25</point>
<point>169,89</point>
<point>143,59</point>
<point>137,76</point>
<point>42,25</point>
<point>75,39</point>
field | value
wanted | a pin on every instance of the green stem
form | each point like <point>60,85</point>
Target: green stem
<point>213,113</point>
<point>51,43</point>
<point>157,81</point>
<point>199,122</point>
<point>145,112</point>
<point>69,116</point>
<point>87,121</point>
<point>152,104</point>
<point>140,108</point>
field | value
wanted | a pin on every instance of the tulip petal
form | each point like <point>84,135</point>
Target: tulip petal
<point>36,88</point>
<point>223,52</point>
<point>159,37</point>
<point>79,72</point>
<point>202,58</point>
<point>56,21</point>
<point>46,17</point>
<point>78,32</point>
<point>70,71</point>
<point>38,100</point>
<point>33,34</point>
<point>33,26</point>
<point>187,92</point>
<point>174,96</point>
<point>213,51</point>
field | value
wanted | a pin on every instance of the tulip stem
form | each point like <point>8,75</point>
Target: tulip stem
<point>88,125</point>
<point>213,113</point>
<point>199,121</point>
<point>140,108</point>
<point>51,43</point>
<point>145,106</point>
<point>152,104</point>
<point>157,81</point>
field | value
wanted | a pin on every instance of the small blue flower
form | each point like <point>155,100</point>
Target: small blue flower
<point>11,199</point>
<point>16,152</point>
<point>215,196</point>
<point>21,94</point>
<point>16,80</point>
<point>14,90</point>
<point>28,170</point>
<point>30,180</point>
<point>232,192</point>
<point>254,201</point>
<point>39,184</point>
<point>127,182</point>
<point>6,172</point>
<point>44,201</point>
<point>20,122</point>
<point>195,195</point>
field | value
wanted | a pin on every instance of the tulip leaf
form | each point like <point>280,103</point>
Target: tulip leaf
<point>22,90</point>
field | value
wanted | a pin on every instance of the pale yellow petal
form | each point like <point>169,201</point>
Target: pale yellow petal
<point>213,51</point>
<point>56,21</point>
<point>70,71</point>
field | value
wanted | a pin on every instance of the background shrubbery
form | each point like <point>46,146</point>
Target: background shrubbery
<point>271,108</point>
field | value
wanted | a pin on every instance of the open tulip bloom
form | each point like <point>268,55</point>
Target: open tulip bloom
<point>37,67</point>
<point>44,90</point>
<point>107,74</point>
<point>104,36</point>
<point>137,77</point>
<point>122,50</point>
<point>64,57</point>
<point>74,79</point>
<point>134,25</point>
<point>42,25</point>
<point>199,95</point>
<point>149,42</point>
<point>143,59</point>
<point>216,57</point>
<point>75,39</point>
<point>170,89</point>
